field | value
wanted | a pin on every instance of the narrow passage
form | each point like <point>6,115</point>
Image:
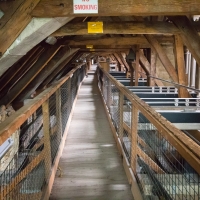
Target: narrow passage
<point>91,166</point>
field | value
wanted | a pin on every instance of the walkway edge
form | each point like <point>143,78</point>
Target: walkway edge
<point>129,173</point>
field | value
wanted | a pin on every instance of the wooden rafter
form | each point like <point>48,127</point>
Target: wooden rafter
<point>61,56</point>
<point>55,72</point>
<point>55,8</point>
<point>8,127</point>
<point>14,26</point>
<point>30,75</point>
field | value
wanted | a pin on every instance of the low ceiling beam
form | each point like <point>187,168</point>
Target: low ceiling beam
<point>116,41</point>
<point>134,27</point>
<point>61,8</point>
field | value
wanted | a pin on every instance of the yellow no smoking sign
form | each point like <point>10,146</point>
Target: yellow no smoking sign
<point>95,27</point>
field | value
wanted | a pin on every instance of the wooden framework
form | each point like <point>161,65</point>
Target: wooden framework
<point>127,23</point>
<point>187,148</point>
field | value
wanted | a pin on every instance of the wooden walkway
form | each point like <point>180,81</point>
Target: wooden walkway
<point>91,166</point>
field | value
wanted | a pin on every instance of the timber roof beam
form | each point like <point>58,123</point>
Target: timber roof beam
<point>61,8</point>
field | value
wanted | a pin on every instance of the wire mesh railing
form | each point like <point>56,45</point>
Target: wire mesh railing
<point>39,133</point>
<point>165,161</point>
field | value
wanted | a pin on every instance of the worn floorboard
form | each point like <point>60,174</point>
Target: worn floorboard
<point>91,166</point>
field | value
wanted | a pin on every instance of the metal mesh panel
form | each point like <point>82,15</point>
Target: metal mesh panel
<point>66,102</point>
<point>177,180</point>
<point>27,149</point>
<point>36,143</point>
<point>161,172</point>
<point>114,106</point>
<point>54,124</point>
<point>30,187</point>
<point>126,139</point>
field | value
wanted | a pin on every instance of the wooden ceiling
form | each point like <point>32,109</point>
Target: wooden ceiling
<point>136,24</point>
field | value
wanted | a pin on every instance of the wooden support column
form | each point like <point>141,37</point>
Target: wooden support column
<point>179,55</point>
<point>163,57</point>
<point>134,124</point>
<point>153,67</point>
<point>132,73</point>
<point>121,117</point>
<point>47,144</point>
<point>147,67</point>
<point>58,113</point>
<point>189,35</point>
<point>198,79</point>
<point>137,66</point>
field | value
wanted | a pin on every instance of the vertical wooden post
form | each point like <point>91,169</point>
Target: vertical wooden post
<point>131,71</point>
<point>198,79</point>
<point>137,65</point>
<point>183,93</point>
<point>47,144</point>
<point>153,66</point>
<point>134,125</point>
<point>58,113</point>
<point>121,117</point>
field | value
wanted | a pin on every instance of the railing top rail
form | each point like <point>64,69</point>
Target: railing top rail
<point>11,124</point>
<point>188,149</point>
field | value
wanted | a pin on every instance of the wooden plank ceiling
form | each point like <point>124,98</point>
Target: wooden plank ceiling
<point>147,27</point>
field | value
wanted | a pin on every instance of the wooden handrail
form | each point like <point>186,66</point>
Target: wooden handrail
<point>186,147</point>
<point>11,124</point>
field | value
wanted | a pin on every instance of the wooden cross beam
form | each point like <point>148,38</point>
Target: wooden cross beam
<point>60,8</point>
<point>134,27</point>
<point>123,41</point>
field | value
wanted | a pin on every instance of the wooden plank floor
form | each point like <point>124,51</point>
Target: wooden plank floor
<point>91,166</point>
